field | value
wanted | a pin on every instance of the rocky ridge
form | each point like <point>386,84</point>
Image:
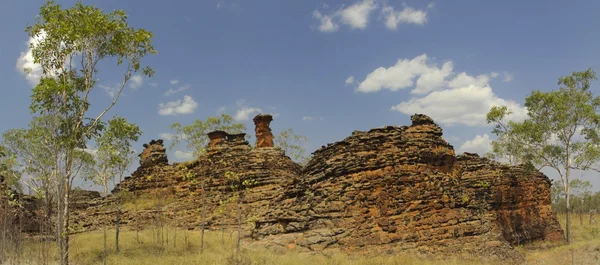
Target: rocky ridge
<point>390,189</point>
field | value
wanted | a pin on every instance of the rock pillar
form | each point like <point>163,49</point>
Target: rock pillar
<point>216,138</point>
<point>154,154</point>
<point>264,137</point>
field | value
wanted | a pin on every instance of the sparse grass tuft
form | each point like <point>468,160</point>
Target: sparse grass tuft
<point>87,248</point>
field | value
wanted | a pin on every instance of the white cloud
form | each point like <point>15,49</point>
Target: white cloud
<point>136,81</point>
<point>167,136</point>
<point>171,136</point>
<point>402,75</point>
<point>481,144</point>
<point>463,79</point>
<point>244,113</point>
<point>174,82</point>
<point>111,91</point>
<point>431,5</point>
<point>326,23</point>
<point>407,16</point>
<point>311,118</point>
<point>172,91</point>
<point>185,106</point>
<point>349,80</point>
<point>184,156</point>
<point>221,109</point>
<point>465,105</point>
<point>357,15</point>
<point>447,97</point>
<point>153,84</point>
<point>25,61</point>
<point>507,77</point>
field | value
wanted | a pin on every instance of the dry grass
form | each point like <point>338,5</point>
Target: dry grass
<point>584,249</point>
<point>87,248</point>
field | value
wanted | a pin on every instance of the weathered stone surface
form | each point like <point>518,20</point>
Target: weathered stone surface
<point>390,189</point>
<point>154,154</point>
<point>264,137</point>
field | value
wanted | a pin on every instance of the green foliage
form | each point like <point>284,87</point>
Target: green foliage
<point>195,134</point>
<point>562,130</point>
<point>292,144</point>
<point>115,152</point>
<point>551,132</point>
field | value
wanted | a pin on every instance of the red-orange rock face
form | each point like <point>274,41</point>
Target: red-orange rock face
<point>264,137</point>
<point>389,189</point>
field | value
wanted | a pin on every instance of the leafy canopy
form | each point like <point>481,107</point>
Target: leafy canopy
<point>195,134</point>
<point>562,130</point>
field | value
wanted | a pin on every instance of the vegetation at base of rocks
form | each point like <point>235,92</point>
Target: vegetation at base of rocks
<point>184,250</point>
<point>561,132</point>
<point>584,247</point>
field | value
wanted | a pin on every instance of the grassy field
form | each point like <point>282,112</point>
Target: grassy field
<point>183,247</point>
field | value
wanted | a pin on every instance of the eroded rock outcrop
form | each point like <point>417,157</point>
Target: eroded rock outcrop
<point>390,189</point>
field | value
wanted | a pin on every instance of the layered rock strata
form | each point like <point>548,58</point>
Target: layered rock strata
<point>390,189</point>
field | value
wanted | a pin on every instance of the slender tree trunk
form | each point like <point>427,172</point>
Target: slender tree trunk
<point>239,232</point>
<point>118,226</point>
<point>567,197</point>
<point>105,252</point>
<point>175,230</point>
<point>66,217</point>
<point>203,216</point>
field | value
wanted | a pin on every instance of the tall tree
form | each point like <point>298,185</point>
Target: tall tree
<point>562,130</point>
<point>114,155</point>
<point>72,43</point>
<point>195,134</point>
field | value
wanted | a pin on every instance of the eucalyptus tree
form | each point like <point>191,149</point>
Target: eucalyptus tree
<point>292,144</point>
<point>73,44</point>
<point>195,135</point>
<point>562,131</point>
<point>114,155</point>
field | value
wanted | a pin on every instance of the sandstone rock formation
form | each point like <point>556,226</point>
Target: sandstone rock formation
<point>390,189</point>
<point>154,154</point>
<point>264,137</point>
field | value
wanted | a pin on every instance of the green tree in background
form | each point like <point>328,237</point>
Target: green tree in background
<point>292,144</point>
<point>195,134</point>
<point>561,131</point>
<point>72,45</point>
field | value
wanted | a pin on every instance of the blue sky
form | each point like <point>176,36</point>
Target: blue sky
<point>326,68</point>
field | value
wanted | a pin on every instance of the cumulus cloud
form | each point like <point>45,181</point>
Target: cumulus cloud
<point>403,74</point>
<point>172,91</point>
<point>358,14</point>
<point>405,16</point>
<point>25,63</point>
<point>244,113</point>
<point>183,156</point>
<point>136,81</point>
<point>174,82</point>
<point>481,144</point>
<point>466,105</point>
<point>185,106</point>
<point>326,23</point>
<point>447,97</point>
